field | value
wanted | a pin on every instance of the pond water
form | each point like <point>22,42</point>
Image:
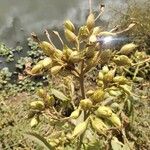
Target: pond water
<point>18,18</point>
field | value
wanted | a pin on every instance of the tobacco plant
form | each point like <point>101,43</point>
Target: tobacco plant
<point>98,115</point>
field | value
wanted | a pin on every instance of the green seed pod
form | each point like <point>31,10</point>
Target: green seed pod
<point>115,120</point>
<point>104,112</point>
<point>34,122</point>
<point>83,32</point>
<point>69,25</point>
<point>37,69</point>
<point>47,48</point>
<point>120,80</point>
<point>96,31</point>
<point>98,125</point>
<point>105,33</point>
<point>100,83</point>
<point>80,129</point>
<point>90,51</point>
<point>90,21</point>
<point>47,62</point>
<point>66,52</point>
<point>108,77</point>
<point>55,70</point>
<point>37,105</point>
<point>114,92</point>
<point>75,114</point>
<point>100,75</point>
<point>70,36</point>
<point>92,39</point>
<point>75,57</point>
<point>122,60</point>
<point>105,69</point>
<point>98,96</point>
<point>49,100</point>
<point>89,93</point>
<point>41,93</point>
<point>127,49</point>
<point>85,104</point>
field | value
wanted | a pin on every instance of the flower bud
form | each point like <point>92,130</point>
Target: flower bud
<point>122,60</point>
<point>98,96</point>
<point>37,105</point>
<point>115,120</point>
<point>104,112</point>
<point>69,25</point>
<point>75,114</point>
<point>90,21</point>
<point>70,36</point>
<point>80,129</point>
<point>47,48</point>
<point>85,104</point>
<point>37,69</point>
<point>55,70</point>
<point>127,49</point>
<point>120,80</point>
<point>34,122</point>
<point>98,125</point>
<point>100,83</point>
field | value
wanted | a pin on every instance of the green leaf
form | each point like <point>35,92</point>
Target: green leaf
<point>39,139</point>
<point>59,95</point>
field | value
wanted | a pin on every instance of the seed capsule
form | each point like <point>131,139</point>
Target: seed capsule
<point>98,125</point>
<point>122,60</point>
<point>34,122</point>
<point>75,114</point>
<point>120,80</point>
<point>115,120</point>
<point>108,77</point>
<point>105,69</point>
<point>47,48</point>
<point>89,93</point>
<point>41,93</point>
<point>100,75</point>
<point>37,105</point>
<point>96,31</point>
<point>75,57</point>
<point>47,62</point>
<point>37,69</point>
<point>80,129</point>
<point>90,21</point>
<point>98,96</point>
<point>55,70</point>
<point>127,49</point>
<point>83,32</point>
<point>49,100</point>
<point>69,25</point>
<point>85,104</point>
<point>70,36</point>
<point>105,33</point>
<point>104,112</point>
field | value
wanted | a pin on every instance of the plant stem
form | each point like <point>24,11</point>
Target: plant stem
<point>81,80</point>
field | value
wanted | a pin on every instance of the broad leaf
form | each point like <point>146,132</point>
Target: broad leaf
<point>59,95</point>
<point>39,139</point>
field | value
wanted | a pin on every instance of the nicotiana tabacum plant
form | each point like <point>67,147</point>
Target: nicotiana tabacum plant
<point>96,117</point>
